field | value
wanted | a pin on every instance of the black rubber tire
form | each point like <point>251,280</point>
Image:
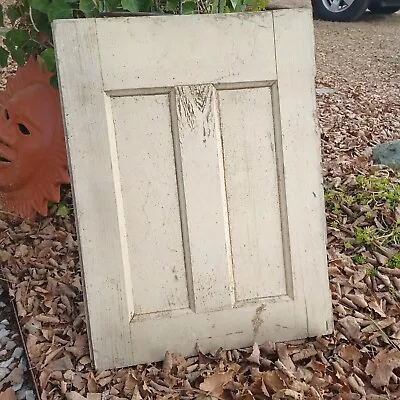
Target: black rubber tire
<point>376,8</point>
<point>352,13</point>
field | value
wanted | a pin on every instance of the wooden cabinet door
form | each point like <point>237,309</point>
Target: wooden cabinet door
<point>195,162</point>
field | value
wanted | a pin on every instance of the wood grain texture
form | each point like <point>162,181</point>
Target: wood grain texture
<point>151,204</point>
<point>86,126</point>
<point>302,168</point>
<point>199,135</point>
<point>252,189</point>
<point>159,57</point>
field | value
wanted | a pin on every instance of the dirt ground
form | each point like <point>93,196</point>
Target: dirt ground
<point>361,61</point>
<point>358,82</point>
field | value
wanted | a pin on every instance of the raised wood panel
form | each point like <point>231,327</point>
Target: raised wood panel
<point>250,156</point>
<point>150,202</point>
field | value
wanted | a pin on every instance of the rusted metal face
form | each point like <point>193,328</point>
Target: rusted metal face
<point>33,162</point>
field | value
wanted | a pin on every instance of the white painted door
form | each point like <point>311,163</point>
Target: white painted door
<point>195,163</point>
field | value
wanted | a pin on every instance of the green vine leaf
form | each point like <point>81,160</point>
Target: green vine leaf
<point>40,5</point>
<point>111,5</point>
<point>136,5</point>
<point>13,13</point>
<point>171,5</point>
<point>189,7</point>
<point>54,81</point>
<point>49,59</point>
<point>18,37</point>
<point>59,9</point>
<point>18,55</point>
<point>3,57</point>
<point>131,5</point>
<point>90,8</point>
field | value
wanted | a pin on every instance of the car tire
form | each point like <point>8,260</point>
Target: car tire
<point>376,8</point>
<point>321,10</point>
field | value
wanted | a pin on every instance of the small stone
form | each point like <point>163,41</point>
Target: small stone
<point>5,322</point>
<point>17,387</point>
<point>3,373</point>
<point>324,90</point>
<point>387,153</point>
<point>22,364</point>
<point>18,352</point>
<point>2,304</point>
<point>10,345</point>
<point>4,340</point>
<point>3,353</point>
<point>29,395</point>
<point>2,326</point>
<point>3,333</point>
<point>7,363</point>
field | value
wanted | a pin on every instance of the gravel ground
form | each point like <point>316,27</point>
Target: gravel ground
<point>14,371</point>
<point>358,81</point>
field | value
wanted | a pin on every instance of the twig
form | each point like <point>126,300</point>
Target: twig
<point>384,334</point>
<point>33,22</point>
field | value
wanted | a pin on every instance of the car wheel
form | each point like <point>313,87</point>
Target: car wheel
<point>376,8</point>
<point>339,10</point>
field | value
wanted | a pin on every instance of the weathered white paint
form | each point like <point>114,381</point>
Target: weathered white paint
<point>253,192</point>
<point>196,173</point>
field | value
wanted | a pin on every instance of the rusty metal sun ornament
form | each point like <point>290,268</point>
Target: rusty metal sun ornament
<point>33,161</point>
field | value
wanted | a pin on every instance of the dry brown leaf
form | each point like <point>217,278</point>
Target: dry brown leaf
<point>47,319</point>
<point>61,364</point>
<point>78,381</point>
<point>351,327</point>
<point>284,357</point>
<point>376,326</point>
<point>350,353</point>
<point>215,383</point>
<point>105,381</point>
<point>44,377</point>
<point>168,363</point>
<point>287,394</point>
<point>382,366</point>
<point>304,353</point>
<point>375,306</point>
<point>91,383</point>
<point>136,394</point>
<point>74,396</point>
<point>255,355</point>
<point>358,300</point>
<point>131,384</point>
<point>273,381</point>
<point>93,396</point>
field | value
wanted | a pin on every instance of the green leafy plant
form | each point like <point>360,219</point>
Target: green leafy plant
<point>358,259</point>
<point>62,209</point>
<point>31,34</point>
<point>348,245</point>
<point>393,292</point>
<point>364,236</point>
<point>371,272</point>
<point>371,203</point>
<point>394,261</point>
